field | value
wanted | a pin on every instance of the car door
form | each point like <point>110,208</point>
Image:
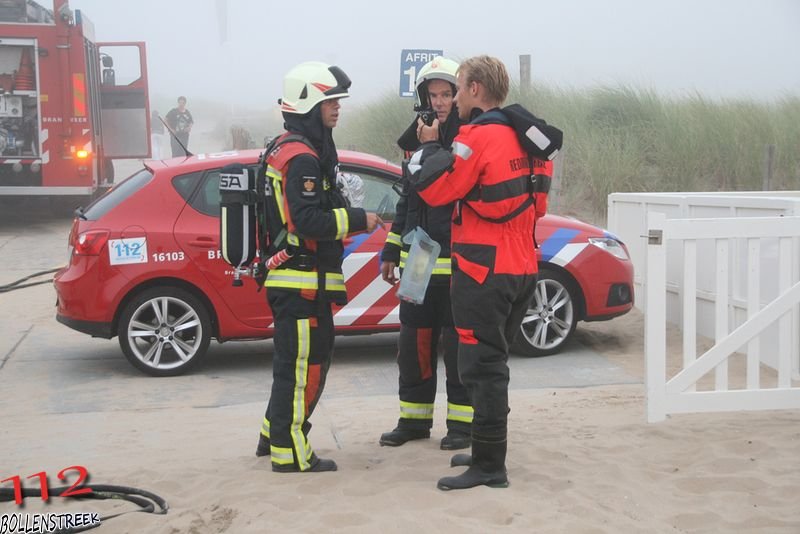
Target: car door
<point>372,304</point>
<point>197,232</point>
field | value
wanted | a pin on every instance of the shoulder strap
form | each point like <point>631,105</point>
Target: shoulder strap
<point>287,147</point>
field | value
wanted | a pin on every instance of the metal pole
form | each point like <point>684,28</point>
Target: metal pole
<point>524,73</point>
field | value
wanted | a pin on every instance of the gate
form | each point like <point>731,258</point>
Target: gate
<point>729,240</point>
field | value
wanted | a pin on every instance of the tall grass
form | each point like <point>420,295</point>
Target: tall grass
<point>630,139</point>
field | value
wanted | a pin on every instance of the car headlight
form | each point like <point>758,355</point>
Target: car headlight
<point>610,245</point>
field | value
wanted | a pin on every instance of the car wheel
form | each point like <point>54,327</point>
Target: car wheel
<point>551,317</point>
<point>164,331</point>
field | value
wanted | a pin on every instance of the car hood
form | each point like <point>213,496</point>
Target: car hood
<point>573,224</point>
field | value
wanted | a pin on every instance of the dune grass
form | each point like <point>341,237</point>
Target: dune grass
<point>629,139</point>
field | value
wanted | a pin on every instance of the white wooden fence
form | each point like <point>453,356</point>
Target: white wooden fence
<point>680,393</point>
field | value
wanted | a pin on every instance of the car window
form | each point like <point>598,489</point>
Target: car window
<point>117,194</point>
<point>378,193</point>
<point>379,196</point>
<point>184,184</point>
<point>206,198</point>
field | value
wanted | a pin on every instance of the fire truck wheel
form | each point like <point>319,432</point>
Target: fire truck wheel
<point>164,331</point>
<point>552,315</point>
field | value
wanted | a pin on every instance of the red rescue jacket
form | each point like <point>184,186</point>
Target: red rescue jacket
<point>489,178</point>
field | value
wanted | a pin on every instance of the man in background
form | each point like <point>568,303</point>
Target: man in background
<point>180,122</point>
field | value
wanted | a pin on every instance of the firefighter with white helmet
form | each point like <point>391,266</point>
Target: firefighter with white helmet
<point>429,325</point>
<point>306,220</point>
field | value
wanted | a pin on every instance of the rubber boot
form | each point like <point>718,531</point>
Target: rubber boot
<point>263,445</point>
<point>488,468</point>
<point>455,440</point>
<point>399,435</point>
<point>318,465</point>
<point>461,460</point>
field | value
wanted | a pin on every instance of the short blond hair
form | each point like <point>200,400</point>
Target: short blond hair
<point>490,73</point>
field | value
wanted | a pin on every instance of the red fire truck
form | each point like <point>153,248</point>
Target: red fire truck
<point>69,105</point>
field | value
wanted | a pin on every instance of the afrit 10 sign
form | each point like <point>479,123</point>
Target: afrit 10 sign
<point>410,63</point>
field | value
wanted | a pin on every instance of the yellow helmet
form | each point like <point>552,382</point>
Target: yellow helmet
<point>439,68</point>
<point>309,83</point>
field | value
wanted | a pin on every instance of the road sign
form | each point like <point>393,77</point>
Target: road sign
<point>410,63</point>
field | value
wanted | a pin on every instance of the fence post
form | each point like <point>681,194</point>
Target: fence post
<point>524,73</point>
<point>769,160</point>
<point>655,317</point>
<point>554,198</point>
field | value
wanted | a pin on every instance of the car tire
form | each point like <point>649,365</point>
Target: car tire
<point>551,317</point>
<point>164,331</point>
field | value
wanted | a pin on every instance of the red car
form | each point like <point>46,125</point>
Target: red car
<point>145,266</point>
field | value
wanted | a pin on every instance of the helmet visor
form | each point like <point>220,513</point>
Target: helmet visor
<point>342,82</point>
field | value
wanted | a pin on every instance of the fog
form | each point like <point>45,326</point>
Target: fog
<point>720,48</point>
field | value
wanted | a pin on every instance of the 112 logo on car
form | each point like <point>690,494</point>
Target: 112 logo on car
<point>127,251</point>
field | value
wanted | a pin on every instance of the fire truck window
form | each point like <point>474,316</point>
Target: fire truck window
<point>120,65</point>
<point>117,194</point>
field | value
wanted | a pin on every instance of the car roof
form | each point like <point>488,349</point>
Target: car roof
<point>198,162</point>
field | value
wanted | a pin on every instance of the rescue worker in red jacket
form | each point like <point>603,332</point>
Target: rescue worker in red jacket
<point>424,326</point>
<point>307,219</point>
<point>499,173</point>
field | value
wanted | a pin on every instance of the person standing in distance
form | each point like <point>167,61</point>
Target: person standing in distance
<point>180,122</point>
<point>307,218</point>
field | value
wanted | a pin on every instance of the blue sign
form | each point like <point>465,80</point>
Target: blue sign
<point>410,63</point>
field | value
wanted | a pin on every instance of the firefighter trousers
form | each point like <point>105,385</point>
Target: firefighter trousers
<point>422,327</point>
<point>303,349</point>
<point>488,316</point>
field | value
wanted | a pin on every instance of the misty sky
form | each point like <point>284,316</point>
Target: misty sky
<point>721,48</point>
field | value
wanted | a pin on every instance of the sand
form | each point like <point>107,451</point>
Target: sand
<point>580,460</point>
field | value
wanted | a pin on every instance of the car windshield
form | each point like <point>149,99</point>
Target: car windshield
<point>116,195</point>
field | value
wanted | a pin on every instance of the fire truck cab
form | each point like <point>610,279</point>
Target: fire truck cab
<point>69,105</point>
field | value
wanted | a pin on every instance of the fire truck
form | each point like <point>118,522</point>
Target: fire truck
<point>69,105</point>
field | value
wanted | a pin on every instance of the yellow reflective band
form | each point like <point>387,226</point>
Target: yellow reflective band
<point>293,240</point>
<point>393,239</point>
<point>265,428</point>
<point>281,455</point>
<point>294,279</point>
<point>459,412</point>
<point>299,404</point>
<point>334,282</point>
<point>342,223</point>
<point>442,266</point>
<point>291,279</point>
<point>414,410</point>
<point>277,180</point>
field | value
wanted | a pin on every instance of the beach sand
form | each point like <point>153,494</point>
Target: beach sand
<point>579,460</point>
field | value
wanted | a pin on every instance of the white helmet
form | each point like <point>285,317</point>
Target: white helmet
<point>439,68</point>
<point>309,83</point>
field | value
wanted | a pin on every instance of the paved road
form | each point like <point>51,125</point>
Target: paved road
<point>47,368</point>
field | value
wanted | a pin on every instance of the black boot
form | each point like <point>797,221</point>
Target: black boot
<point>461,460</point>
<point>488,468</point>
<point>318,465</point>
<point>400,435</point>
<point>263,446</point>
<point>454,440</point>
